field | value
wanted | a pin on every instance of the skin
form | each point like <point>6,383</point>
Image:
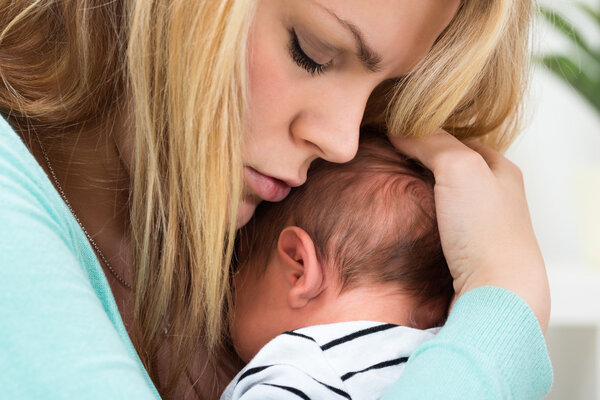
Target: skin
<point>296,291</point>
<point>296,117</point>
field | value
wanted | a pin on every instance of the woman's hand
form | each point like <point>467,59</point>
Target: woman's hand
<point>483,219</point>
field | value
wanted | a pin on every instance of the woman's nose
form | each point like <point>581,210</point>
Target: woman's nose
<point>333,129</point>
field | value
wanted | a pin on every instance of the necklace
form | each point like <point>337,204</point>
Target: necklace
<point>89,237</point>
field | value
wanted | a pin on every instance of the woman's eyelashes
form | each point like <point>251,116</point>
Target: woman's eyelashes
<point>302,59</point>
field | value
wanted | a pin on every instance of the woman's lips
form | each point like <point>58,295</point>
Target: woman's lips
<point>266,187</point>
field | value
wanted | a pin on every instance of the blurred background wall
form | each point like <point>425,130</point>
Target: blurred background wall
<point>559,154</point>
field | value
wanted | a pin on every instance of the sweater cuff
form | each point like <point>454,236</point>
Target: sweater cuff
<point>499,324</point>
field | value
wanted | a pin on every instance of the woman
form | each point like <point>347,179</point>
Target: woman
<point>163,123</point>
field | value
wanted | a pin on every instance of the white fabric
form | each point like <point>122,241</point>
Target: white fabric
<point>347,360</point>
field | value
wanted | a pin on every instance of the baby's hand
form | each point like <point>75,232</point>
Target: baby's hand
<point>484,222</point>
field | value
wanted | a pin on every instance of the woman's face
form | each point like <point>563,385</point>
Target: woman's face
<point>312,66</point>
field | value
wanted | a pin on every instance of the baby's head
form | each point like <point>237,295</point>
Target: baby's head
<point>358,241</point>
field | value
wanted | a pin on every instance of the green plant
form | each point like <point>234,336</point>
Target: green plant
<point>581,69</point>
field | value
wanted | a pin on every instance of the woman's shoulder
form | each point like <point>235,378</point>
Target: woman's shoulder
<point>17,165</point>
<point>27,196</point>
<point>38,232</point>
<point>62,334</point>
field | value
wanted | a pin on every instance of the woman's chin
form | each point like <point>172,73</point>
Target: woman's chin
<point>245,211</point>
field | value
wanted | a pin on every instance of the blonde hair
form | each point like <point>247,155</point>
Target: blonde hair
<point>472,81</point>
<point>69,65</point>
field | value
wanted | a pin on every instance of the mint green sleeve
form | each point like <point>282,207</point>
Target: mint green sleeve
<point>59,337</point>
<point>491,347</point>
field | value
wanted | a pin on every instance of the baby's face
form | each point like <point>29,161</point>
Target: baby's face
<point>260,311</point>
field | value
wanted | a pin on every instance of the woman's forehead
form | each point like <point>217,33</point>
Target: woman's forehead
<point>399,32</point>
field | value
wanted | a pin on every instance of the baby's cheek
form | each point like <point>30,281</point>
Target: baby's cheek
<point>246,335</point>
<point>243,324</point>
<point>236,338</point>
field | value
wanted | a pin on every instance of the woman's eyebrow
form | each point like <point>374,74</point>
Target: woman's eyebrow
<point>369,58</point>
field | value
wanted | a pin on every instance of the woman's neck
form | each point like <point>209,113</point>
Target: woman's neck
<point>90,170</point>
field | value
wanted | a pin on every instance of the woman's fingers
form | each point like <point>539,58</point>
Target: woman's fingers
<point>502,167</point>
<point>435,151</point>
<point>493,158</point>
<point>445,156</point>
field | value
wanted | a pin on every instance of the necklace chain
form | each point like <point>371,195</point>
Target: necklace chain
<point>89,237</point>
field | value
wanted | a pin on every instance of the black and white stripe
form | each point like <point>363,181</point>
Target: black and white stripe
<point>348,360</point>
<point>256,370</point>
<point>383,364</point>
<point>289,389</point>
<point>358,334</point>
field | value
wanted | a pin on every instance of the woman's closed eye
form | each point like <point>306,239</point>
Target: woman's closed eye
<point>302,59</point>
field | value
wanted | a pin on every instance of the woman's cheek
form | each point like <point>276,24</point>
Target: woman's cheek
<point>272,87</point>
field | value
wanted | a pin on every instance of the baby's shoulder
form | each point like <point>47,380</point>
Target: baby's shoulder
<point>290,365</point>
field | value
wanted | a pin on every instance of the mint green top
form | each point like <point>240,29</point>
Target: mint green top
<point>61,335</point>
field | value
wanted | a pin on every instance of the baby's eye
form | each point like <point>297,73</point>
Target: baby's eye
<point>302,59</point>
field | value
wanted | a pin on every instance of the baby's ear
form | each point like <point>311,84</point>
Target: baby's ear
<point>298,258</point>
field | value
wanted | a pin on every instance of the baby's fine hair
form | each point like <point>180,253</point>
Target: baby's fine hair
<point>372,219</point>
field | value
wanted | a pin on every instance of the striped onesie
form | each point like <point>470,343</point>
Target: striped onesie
<point>346,360</point>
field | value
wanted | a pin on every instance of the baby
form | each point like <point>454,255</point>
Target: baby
<point>338,284</point>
